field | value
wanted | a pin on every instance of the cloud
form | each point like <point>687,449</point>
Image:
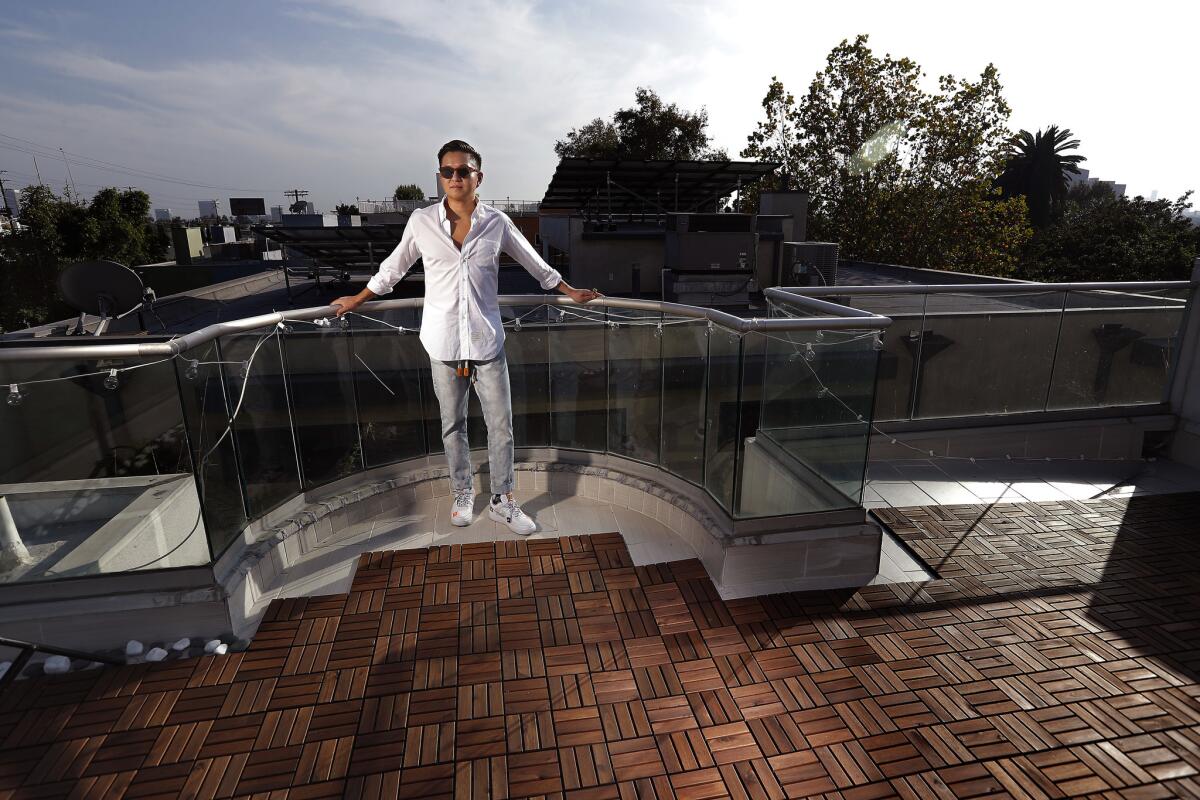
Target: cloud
<point>364,124</point>
<point>391,81</point>
<point>21,33</point>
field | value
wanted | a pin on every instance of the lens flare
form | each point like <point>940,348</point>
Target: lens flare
<point>885,141</point>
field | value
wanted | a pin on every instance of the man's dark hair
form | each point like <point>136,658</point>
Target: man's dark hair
<point>459,146</point>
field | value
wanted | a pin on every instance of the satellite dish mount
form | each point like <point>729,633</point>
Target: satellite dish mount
<point>104,289</point>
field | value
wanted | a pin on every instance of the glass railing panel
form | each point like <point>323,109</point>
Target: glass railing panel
<point>578,381</point>
<point>95,472</point>
<point>684,394</point>
<point>388,366</point>
<point>321,387</point>
<point>808,451</point>
<point>722,414</point>
<point>635,398</point>
<point>207,409</point>
<point>263,426</point>
<point>528,350</point>
<point>985,353</point>
<point>1116,348</point>
<point>898,359</point>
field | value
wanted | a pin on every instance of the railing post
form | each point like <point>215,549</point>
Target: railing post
<point>13,552</point>
<point>1054,358</point>
<point>915,386</point>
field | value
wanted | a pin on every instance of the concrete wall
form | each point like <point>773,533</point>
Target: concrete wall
<point>1185,391</point>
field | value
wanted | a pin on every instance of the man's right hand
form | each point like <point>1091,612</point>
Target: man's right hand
<point>346,304</point>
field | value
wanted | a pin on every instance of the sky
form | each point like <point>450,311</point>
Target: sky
<point>348,98</point>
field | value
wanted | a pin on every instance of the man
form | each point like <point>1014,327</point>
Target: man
<point>459,242</point>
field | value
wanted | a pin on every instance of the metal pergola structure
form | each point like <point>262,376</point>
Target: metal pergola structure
<point>343,248</point>
<point>611,187</point>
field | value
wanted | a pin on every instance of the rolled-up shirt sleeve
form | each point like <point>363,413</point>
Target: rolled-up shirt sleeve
<point>398,262</point>
<point>516,245</point>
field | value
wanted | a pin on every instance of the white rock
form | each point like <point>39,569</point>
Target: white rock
<point>212,645</point>
<point>221,649</point>
<point>134,648</point>
<point>182,644</point>
<point>4,666</point>
<point>156,654</point>
<point>57,665</point>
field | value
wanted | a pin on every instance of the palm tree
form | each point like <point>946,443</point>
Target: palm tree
<point>1038,167</point>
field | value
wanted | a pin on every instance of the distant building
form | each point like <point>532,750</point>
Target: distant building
<point>1084,178</point>
<point>209,208</point>
<point>276,213</point>
<point>163,215</point>
<point>188,244</point>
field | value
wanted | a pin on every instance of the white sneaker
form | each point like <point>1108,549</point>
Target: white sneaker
<point>508,512</point>
<point>462,507</point>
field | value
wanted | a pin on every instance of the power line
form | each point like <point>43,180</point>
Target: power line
<point>36,149</point>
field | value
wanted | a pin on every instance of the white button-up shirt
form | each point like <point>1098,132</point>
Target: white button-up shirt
<point>461,321</point>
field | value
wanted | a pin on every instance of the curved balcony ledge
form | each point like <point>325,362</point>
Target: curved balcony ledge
<point>667,517</point>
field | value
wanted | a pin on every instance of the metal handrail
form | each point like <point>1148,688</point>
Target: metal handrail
<point>979,288</point>
<point>847,319</point>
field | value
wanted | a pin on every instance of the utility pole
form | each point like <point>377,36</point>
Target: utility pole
<point>37,171</point>
<point>7,208</point>
<point>296,194</point>
<point>69,176</point>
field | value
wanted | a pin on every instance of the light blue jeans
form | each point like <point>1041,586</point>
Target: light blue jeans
<point>490,379</point>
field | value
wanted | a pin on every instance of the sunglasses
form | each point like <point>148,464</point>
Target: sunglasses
<point>461,172</point>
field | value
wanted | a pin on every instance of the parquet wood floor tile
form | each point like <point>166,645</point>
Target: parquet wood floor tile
<point>1054,655</point>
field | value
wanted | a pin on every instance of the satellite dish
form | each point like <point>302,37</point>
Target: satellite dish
<point>104,289</point>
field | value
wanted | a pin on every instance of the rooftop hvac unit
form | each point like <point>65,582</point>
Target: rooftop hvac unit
<point>810,263</point>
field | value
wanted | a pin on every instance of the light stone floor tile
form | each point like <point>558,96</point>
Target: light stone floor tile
<point>900,494</point>
<point>947,492</point>
<point>1078,490</point>
<point>993,491</point>
<point>1040,491</point>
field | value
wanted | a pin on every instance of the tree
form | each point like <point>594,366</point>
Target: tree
<point>774,139</point>
<point>298,207</point>
<point>650,129</point>
<point>56,232</point>
<point>115,226</point>
<point>1102,237</point>
<point>897,173</point>
<point>1038,168</point>
<point>344,209</point>
<point>408,191</point>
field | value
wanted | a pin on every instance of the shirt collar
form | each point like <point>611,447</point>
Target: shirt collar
<point>443,216</point>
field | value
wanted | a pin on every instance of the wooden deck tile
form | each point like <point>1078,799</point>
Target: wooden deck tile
<point>1055,655</point>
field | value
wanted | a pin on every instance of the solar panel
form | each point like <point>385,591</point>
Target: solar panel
<point>346,248</point>
<point>602,186</point>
